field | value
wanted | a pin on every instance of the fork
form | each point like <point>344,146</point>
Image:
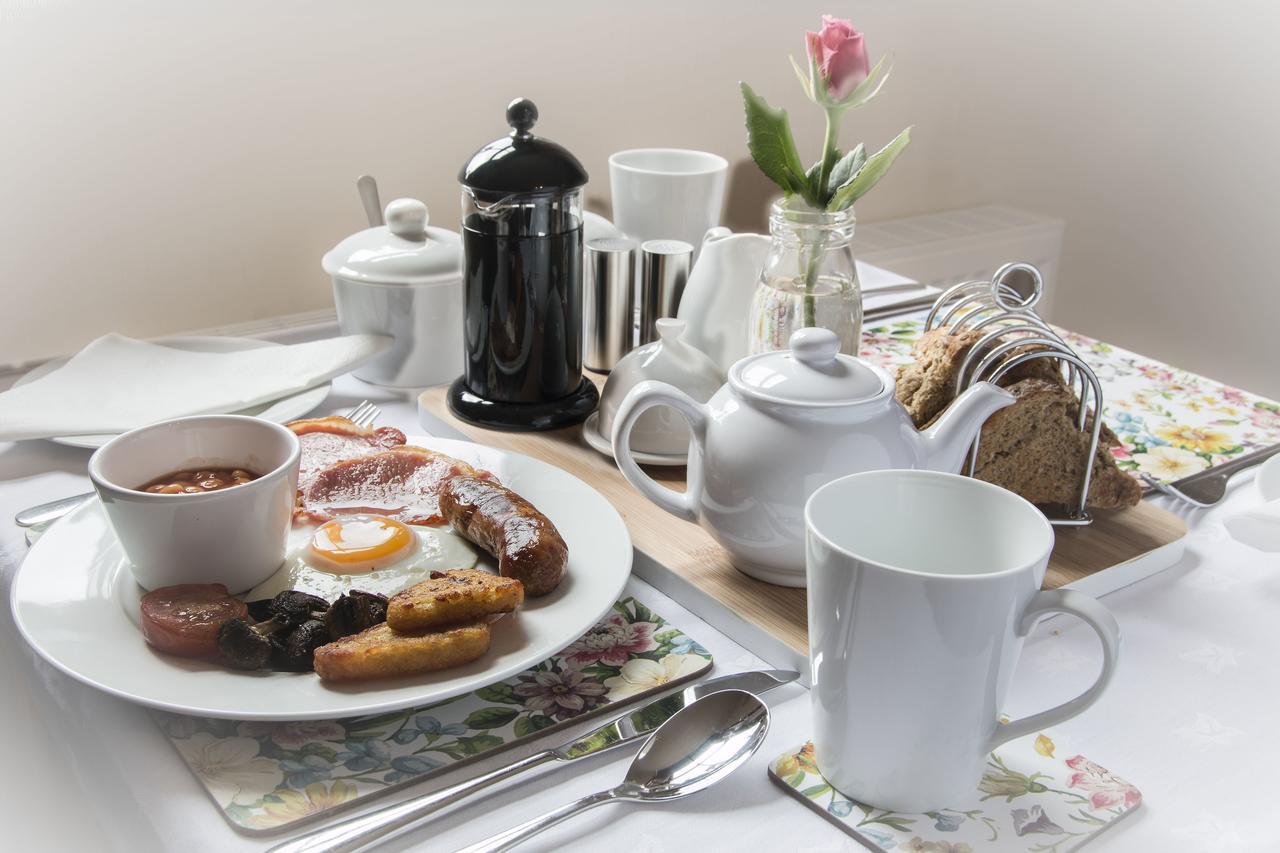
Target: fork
<point>1208,487</point>
<point>42,515</point>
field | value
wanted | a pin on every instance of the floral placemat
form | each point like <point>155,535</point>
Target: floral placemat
<point>1029,800</point>
<point>1172,423</point>
<point>266,776</point>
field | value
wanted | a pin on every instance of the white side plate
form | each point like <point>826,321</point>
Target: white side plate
<point>282,410</point>
<point>74,601</point>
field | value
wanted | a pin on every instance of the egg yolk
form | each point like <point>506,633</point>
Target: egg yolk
<point>360,543</point>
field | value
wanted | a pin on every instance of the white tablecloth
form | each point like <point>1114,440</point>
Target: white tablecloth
<point>1190,718</point>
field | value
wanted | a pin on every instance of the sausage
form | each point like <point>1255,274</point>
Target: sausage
<point>525,543</point>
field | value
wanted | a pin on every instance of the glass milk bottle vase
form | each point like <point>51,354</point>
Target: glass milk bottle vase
<point>809,279</point>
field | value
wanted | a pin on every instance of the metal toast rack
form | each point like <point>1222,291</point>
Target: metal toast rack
<point>1004,308</point>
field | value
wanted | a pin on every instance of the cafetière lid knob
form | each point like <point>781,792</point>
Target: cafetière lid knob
<point>522,115</point>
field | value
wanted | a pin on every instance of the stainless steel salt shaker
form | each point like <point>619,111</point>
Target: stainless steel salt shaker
<point>608,322</point>
<point>664,269</point>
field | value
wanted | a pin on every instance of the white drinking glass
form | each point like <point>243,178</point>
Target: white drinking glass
<point>922,587</point>
<point>667,193</point>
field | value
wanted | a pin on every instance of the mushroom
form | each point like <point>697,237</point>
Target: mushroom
<point>355,612</point>
<point>297,652</point>
<point>250,645</point>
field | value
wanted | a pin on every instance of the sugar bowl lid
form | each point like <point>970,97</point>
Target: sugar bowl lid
<point>521,162</point>
<point>810,372</point>
<point>404,251</point>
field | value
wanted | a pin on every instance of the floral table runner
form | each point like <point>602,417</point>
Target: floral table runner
<point>1030,800</point>
<point>265,776</point>
<point>1172,423</point>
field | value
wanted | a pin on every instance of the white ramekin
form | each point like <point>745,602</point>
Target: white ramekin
<point>234,536</point>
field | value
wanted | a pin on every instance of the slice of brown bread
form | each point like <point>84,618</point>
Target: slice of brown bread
<point>927,385</point>
<point>1034,449</point>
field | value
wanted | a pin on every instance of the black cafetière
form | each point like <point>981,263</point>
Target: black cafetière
<point>522,284</point>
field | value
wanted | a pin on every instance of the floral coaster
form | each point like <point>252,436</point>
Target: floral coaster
<point>1029,800</point>
<point>1170,423</point>
<point>266,776</point>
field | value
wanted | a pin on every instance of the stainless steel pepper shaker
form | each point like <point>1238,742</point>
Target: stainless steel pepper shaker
<point>607,314</point>
<point>664,269</point>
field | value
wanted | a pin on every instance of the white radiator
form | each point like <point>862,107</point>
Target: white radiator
<point>942,249</point>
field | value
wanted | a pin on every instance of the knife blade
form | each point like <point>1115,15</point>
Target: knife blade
<point>372,829</point>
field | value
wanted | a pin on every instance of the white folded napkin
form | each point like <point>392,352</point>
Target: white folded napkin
<point>882,289</point>
<point>118,383</point>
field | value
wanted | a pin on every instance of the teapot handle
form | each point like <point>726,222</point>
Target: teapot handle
<point>644,396</point>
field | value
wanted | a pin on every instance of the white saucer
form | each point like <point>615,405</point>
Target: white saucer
<point>280,411</point>
<point>591,432</point>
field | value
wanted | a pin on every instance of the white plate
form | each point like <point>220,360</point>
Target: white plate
<point>591,432</point>
<point>1268,479</point>
<point>285,409</point>
<point>75,603</point>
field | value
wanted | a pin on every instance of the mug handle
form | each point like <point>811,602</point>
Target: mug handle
<point>644,396</point>
<point>1102,622</point>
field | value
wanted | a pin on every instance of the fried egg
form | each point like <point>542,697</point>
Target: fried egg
<point>366,552</point>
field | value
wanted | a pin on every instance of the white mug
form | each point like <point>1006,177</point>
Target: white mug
<point>667,193</point>
<point>922,587</point>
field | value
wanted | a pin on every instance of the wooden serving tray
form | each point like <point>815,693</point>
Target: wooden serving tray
<point>1114,538</point>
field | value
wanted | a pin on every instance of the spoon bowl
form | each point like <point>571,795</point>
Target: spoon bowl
<point>699,746</point>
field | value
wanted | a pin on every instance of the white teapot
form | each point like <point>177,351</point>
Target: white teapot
<point>784,424</point>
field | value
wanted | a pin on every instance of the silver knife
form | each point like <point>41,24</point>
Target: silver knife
<point>369,830</point>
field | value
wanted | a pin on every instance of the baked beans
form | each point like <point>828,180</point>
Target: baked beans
<point>197,481</point>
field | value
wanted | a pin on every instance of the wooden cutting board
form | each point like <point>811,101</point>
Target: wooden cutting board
<point>1113,539</point>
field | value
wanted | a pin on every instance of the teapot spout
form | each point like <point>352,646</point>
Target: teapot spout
<point>945,443</point>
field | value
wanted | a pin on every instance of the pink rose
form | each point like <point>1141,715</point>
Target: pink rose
<point>840,55</point>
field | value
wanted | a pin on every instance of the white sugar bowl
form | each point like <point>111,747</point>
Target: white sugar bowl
<point>402,279</point>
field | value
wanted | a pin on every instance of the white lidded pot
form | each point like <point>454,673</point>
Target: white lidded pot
<point>402,279</point>
<point>784,424</point>
<point>671,360</point>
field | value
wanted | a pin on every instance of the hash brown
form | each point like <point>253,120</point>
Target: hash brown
<point>448,598</point>
<point>380,652</point>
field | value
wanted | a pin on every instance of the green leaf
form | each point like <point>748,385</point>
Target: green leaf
<point>771,144</point>
<point>805,82</point>
<point>815,791</point>
<point>812,177</point>
<point>871,87</point>
<point>870,174</point>
<point>464,747</point>
<point>847,167</point>
<point>500,692</point>
<point>490,718</point>
<point>532,723</point>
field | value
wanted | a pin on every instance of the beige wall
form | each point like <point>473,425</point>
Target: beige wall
<point>169,166</point>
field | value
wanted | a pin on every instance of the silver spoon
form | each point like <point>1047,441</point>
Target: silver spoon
<point>368,189</point>
<point>693,750</point>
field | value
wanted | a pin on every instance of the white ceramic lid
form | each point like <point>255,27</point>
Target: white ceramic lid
<point>812,372</point>
<point>404,251</point>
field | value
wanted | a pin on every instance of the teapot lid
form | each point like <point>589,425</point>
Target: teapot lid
<point>811,372</point>
<point>521,162</point>
<point>404,251</point>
